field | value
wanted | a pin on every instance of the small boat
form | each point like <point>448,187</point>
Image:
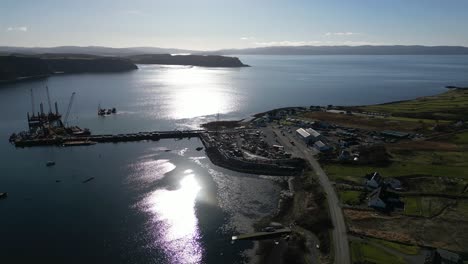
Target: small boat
<point>199,148</point>
<point>50,163</point>
<point>3,195</point>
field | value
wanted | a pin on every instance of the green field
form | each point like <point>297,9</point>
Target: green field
<point>425,206</point>
<point>404,249</point>
<point>365,252</point>
<point>451,105</point>
<point>461,138</point>
<point>350,197</point>
<point>428,163</point>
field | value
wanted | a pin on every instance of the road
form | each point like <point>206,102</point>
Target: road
<point>339,233</point>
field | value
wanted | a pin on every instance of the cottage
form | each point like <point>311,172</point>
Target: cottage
<point>375,181</point>
<point>394,184</point>
<point>376,199</point>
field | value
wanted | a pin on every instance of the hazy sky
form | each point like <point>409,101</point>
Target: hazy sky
<point>215,24</point>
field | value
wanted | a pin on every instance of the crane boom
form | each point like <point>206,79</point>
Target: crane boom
<point>65,120</point>
<point>32,102</point>
<point>48,99</point>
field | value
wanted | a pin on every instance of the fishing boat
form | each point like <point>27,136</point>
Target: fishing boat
<point>50,163</point>
<point>105,112</point>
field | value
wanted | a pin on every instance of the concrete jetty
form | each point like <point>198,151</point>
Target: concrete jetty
<point>263,235</point>
<point>110,138</point>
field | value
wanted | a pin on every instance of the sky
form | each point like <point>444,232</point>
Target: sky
<point>219,24</point>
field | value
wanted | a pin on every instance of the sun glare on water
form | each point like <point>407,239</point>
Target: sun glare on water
<point>175,221</point>
<point>198,92</point>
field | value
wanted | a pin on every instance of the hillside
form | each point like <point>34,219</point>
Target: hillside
<point>195,60</point>
<point>14,68</point>
<point>451,105</point>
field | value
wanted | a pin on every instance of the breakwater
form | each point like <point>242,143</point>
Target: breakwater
<point>60,140</point>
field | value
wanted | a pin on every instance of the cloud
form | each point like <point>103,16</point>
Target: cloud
<point>247,38</point>
<point>341,33</point>
<point>22,29</point>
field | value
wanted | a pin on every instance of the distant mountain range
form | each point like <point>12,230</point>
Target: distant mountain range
<point>348,50</point>
<point>277,50</point>
<point>92,50</point>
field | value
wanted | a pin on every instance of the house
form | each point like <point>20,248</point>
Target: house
<point>375,181</point>
<point>319,145</point>
<point>394,184</point>
<point>304,135</point>
<point>376,199</point>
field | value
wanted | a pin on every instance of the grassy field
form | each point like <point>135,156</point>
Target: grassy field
<point>425,206</point>
<point>350,197</point>
<point>372,123</point>
<point>356,174</point>
<point>460,138</point>
<point>451,105</point>
<point>407,163</point>
<point>404,249</point>
<point>365,252</point>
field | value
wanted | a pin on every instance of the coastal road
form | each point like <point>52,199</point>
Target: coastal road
<point>339,233</point>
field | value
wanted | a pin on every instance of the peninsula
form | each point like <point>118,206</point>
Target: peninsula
<point>194,60</point>
<point>18,67</point>
<point>14,67</point>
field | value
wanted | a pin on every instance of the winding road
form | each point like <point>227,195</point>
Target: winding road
<point>339,233</point>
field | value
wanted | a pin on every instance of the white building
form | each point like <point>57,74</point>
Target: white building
<point>304,135</point>
<point>316,136</point>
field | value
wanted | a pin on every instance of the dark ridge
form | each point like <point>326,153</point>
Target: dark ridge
<point>18,67</point>
<point>82,65</point>
<point>15,67</point>
<point>194,60</point>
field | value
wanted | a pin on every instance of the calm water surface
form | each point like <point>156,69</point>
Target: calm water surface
<point>164,202</point>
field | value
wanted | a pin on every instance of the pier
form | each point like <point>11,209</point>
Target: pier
<point>263,235</point>
<point>109,138</point>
